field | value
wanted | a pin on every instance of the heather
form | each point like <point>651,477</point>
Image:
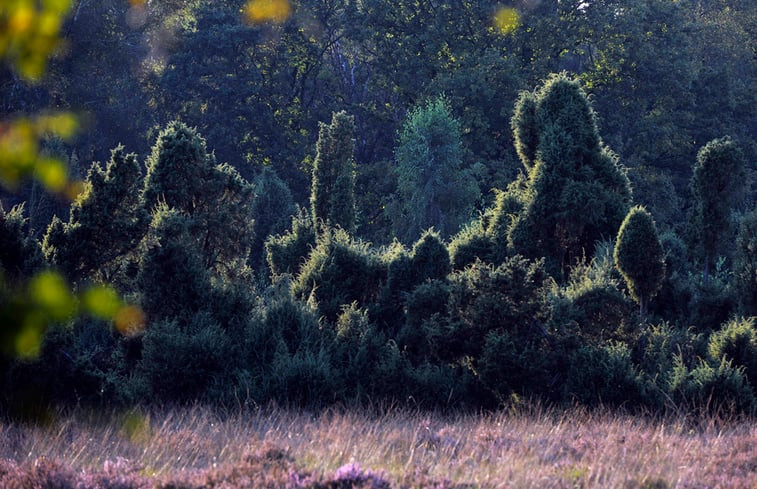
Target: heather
<point>526,447</point>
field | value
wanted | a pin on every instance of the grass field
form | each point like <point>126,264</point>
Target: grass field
<point>201,448</point>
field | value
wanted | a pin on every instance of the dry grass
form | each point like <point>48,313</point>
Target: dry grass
<point>536,449</point>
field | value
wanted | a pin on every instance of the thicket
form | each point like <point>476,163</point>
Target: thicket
<point>255,289</point>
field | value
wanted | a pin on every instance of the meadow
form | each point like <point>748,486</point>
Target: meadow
<point>198,447</point>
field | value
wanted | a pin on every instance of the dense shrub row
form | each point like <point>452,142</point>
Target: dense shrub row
<point>514,305</point>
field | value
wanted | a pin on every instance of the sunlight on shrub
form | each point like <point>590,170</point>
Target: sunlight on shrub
<point>260,11</point>
<point>506,20</point>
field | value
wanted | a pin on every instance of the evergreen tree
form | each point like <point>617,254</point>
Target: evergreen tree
<point>332,197</point>
<point>106,221</point>
<point>717,184</point>
<point>177,169</point>
<point>433,188</point>
<point>272,209</point>
<point>639,256</point>
<point>172,277</point>
<point>576,192</point>
<point>182,175</point>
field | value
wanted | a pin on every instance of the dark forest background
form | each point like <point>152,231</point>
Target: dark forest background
<point>447,204</point>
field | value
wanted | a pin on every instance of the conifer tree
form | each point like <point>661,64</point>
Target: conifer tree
<point>332,196</point>
<point>272,209</point>
<point>182,175</point>
<point>172,277</point>
<point>639,256</point>
<point>106,221</point>
<point>716,184</point>
<point>177,169</point>
<point>576,192</point>
<point>433,189</point>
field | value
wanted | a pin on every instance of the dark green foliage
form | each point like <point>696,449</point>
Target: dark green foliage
<point>715,387</point>
<point>470,244</point>
<point>486,238</point>
<point>508,298</point>
<point>661,346</point>
<point>717,184</point>
<point>592,305</point>
<point>639,256</point>
<point>106,222</point>
<point>338,271</point>
<point>183,176</point>
<point>472,325</point>
<point>182,361</point>
<point>272,210</point>
<point>407,272</point>
<point>433,188</point>
<point>507,206</point>
<point>20,254</point>
<point>286,253</point>
<point>576,193</point>
<point>736,341</point>
<point>712,302</point>
<point>745,265</point>
<point>177,169</point>
<point>510,365</point>
<point>429,258</point>
<point>332,196</point>
<point>425,301</point>
<point>604,376</point>
<point>172,277</point>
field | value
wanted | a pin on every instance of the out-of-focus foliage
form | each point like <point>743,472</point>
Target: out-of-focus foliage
<point>21,155</point>
<point>29,33</point>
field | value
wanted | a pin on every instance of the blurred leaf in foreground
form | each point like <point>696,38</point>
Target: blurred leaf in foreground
<point>260,11</point>
<point>29,33</point>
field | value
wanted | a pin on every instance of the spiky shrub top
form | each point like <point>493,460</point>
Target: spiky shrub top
<point>106,220</point>
<point>332,196</point>
<point>717,183</point>
<point>340,270</point>
<point>433,188</point>
<point>286,252</point>
<point>736,341</point>
<point>182,175</point>
<point>430,258</point>
<point>639,256</point>
<point>576,191</point>
<point>272,208</point>
<point>177,168</point>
